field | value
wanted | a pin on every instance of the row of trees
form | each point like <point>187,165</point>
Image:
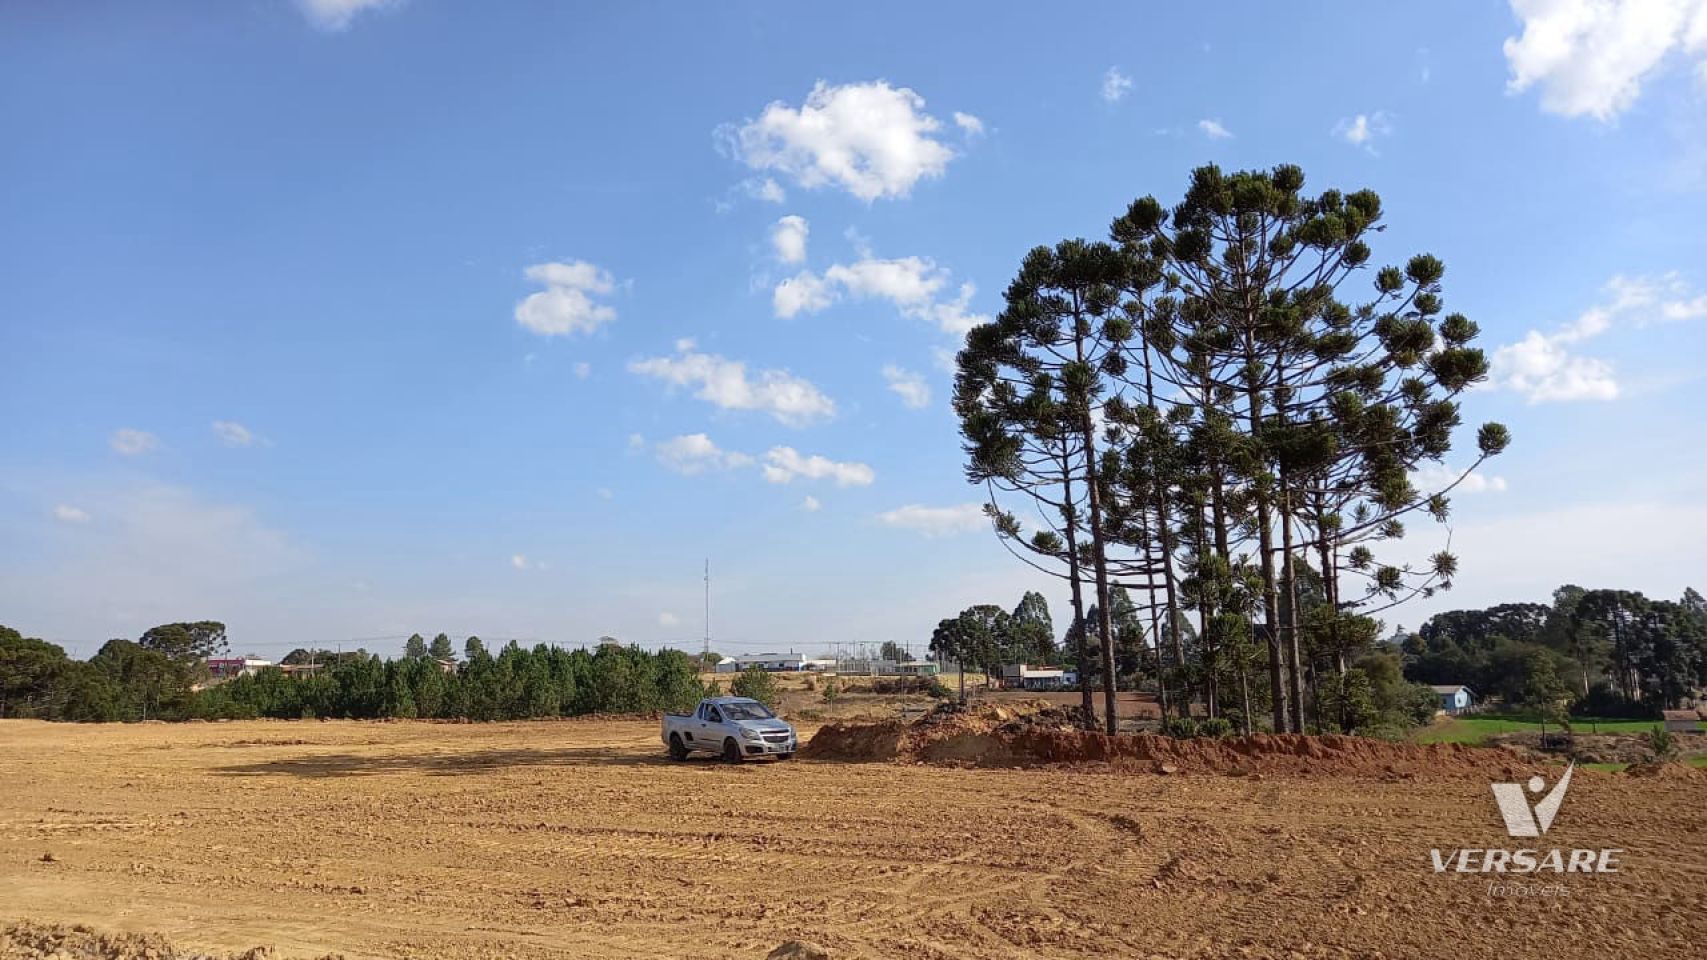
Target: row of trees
<point>150,677</point>
<point>985,636</point>
<point>142,681</point>
<point>1222,409</point>
<point>1614,652</point>
<point>515,684</point>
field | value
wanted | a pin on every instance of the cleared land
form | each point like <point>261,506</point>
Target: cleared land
<point>576,839</point>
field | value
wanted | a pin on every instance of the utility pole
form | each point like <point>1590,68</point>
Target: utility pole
<point>705,655</point>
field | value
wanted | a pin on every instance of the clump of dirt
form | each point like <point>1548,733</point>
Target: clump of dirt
<point>1665,771</point>
<point>1035,734</point>
<point>40,941</point>
<point>798,950</point>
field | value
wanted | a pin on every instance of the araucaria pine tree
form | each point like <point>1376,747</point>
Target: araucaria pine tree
<point>1225,410</point>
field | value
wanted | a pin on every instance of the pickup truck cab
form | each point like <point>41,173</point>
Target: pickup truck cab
<point>733,728</point>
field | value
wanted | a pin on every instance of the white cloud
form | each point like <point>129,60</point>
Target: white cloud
<point>969,125</point>
<point>335,15</point>
<point>695,453</point>
<point>1543,370</point>
<point>725,384</point>
<point>870,139</point>
<point>909,386</point>
<point>519,561</point>
<point>1432,477</point>
<point>1115,85</point>
<point>233,434</point>
<point>582,370</point>
<point>913,284</point>
<point>810,504</point>
<point>937,521</point>
<point>1363,129</point>
<point>1692,309</point>
<point>805,292</point>
<point>784,464</point>
<point>1214,130</point>
<point>767,190</point>
<point>1591,57</point>
<point>130,443</point>
<point>668,619</point>
<point>789,239</point>
<point>605,493</point>
<point>566,305</point>
<point>65,513</point>
<point>636,441</point>
<point>1544,367</point>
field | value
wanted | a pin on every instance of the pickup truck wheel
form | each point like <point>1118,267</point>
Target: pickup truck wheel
<point>677,751</point>
<point>731,751</point>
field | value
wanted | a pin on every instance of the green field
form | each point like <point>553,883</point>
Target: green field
<point>1478,729</point>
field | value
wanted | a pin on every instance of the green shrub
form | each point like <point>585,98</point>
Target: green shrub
<point>1180,728</point>
<point>832,689</point>
<point>1215,727</point>
<point>939,690</point>
<point>1662,743</point>
<point>757,684</point>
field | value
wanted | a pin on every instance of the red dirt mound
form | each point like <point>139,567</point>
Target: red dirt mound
<point>856,741</point>
<point>29,941</point>
<point>1029,735</point>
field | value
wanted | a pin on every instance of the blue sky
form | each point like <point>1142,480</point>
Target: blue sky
<point>343,320</point>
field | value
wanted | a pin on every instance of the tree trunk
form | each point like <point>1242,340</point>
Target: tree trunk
<point>1293,664</point>
<point>1100,566</point>
<point>1099,561</point>
<point>1074,578</point>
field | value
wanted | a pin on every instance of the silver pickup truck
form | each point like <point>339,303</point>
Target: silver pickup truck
<point>734,728</point>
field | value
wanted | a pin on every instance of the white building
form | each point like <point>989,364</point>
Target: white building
<point>224,668</point>
<point>773,662</point>
<point>1021,676</point>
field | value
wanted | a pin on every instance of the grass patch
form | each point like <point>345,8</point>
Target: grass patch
<point>1477,729</point>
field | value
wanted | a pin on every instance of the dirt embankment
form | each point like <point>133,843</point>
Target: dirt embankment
<point>55,941</point>
<point>1032,734</point>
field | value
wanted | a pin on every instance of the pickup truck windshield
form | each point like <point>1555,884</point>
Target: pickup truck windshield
<point>747,711</point>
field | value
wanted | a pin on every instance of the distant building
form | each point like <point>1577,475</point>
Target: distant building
<point>1021,676</point>
<point>1454,697</point>
<point>301,669</point>
<point>819,664</point>
<point>772,662</point>
<point>224,668</point>
<point>918,668</point>
<point>1682,721</point>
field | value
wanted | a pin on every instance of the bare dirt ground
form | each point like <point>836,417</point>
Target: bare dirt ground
<point>577,839</point>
